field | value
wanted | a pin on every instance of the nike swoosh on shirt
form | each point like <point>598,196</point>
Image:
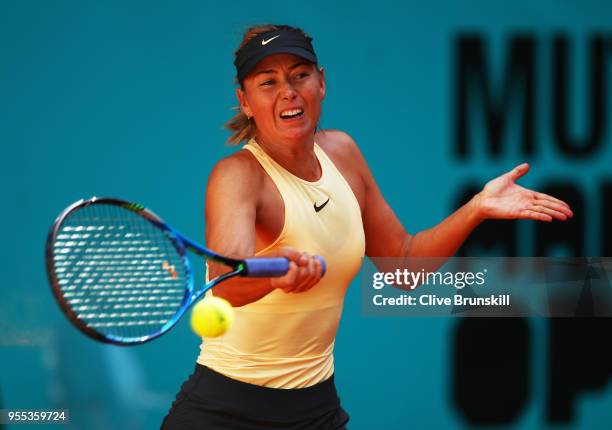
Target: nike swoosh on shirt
<point>265,42</point>
<point>318,208</point>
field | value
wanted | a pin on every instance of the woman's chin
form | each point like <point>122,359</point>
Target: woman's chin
<point>297,132</point>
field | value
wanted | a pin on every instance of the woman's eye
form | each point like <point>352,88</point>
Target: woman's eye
<point>301,75</point>
<point>267,83</point>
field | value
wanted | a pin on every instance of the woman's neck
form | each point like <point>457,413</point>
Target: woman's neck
<point>295,156</point>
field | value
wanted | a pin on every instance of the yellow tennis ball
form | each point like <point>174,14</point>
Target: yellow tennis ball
<point>211,317</point>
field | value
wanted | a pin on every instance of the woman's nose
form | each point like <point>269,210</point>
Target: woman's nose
<point>287,91</point>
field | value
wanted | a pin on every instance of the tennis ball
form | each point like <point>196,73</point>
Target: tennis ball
<point>211,317</point>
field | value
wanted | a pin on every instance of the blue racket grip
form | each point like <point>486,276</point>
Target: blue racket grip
<point>271,267</point>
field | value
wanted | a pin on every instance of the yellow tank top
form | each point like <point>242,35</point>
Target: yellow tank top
<point>287,340</point>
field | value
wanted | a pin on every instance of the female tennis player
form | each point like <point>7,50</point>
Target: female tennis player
<point>292,191</point>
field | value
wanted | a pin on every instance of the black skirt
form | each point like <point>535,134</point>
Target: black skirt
<point>211,401</point>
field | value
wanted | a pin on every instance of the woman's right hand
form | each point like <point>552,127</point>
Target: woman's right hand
<point>305,271</point>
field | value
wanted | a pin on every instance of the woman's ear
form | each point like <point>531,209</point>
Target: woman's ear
<point>243,103</point>
<point>322,79</point>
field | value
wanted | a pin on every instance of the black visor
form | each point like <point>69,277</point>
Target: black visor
<point>272,42</point>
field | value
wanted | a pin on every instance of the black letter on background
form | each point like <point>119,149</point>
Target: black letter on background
<point>491,369</point>
<point>491,356</point>
<point>580,360</point>
<point>606,220</point>
<point>580,354</point>
<point>471,75</point>
<point>569,233</point>
<point>562,99</point>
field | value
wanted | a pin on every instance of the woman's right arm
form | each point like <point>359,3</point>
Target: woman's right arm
<point>232,197</point>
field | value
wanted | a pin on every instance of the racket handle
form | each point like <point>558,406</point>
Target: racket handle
<point>271,267</point>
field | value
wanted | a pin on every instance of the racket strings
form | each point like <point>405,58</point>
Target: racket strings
<point>119,273</point>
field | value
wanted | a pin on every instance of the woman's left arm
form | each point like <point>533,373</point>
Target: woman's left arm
<point>501,198</point>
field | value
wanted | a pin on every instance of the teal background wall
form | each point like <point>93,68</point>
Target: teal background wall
<point>128,99</point>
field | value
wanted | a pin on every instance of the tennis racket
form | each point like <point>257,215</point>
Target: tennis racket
<point>121,274</point>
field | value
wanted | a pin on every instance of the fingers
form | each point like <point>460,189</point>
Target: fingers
<point>542,196</point>
<point>552,205</point>
<point>304,273</point>
<point>311,274</point>
<point>519,171</point>
<point>535,215</point>
<point>547,210</point>
<point>292,274</point>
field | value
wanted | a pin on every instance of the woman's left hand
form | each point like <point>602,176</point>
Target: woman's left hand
<point>502,198</point>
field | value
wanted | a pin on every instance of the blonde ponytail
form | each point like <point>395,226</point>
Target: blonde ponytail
<point>243,128</point>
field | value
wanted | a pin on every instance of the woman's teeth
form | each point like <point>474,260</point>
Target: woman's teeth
<point>291,113</point>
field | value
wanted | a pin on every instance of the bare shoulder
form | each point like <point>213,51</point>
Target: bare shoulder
<point>344,153</point>
<point>342,149</point>
<point>237,173</point>
<point>337,143</point>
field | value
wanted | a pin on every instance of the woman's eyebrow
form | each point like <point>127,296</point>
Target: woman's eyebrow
<point>261,72</point>
<point>301,63</point>
<point>293,66</point>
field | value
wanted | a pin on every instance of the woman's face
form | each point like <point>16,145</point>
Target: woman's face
<point>283,94</point>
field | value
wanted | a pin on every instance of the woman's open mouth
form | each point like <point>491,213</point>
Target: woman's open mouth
<point>291,114</point>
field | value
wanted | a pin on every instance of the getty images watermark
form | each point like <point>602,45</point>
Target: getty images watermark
<point>490,286</point>
<point>406,279</point>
